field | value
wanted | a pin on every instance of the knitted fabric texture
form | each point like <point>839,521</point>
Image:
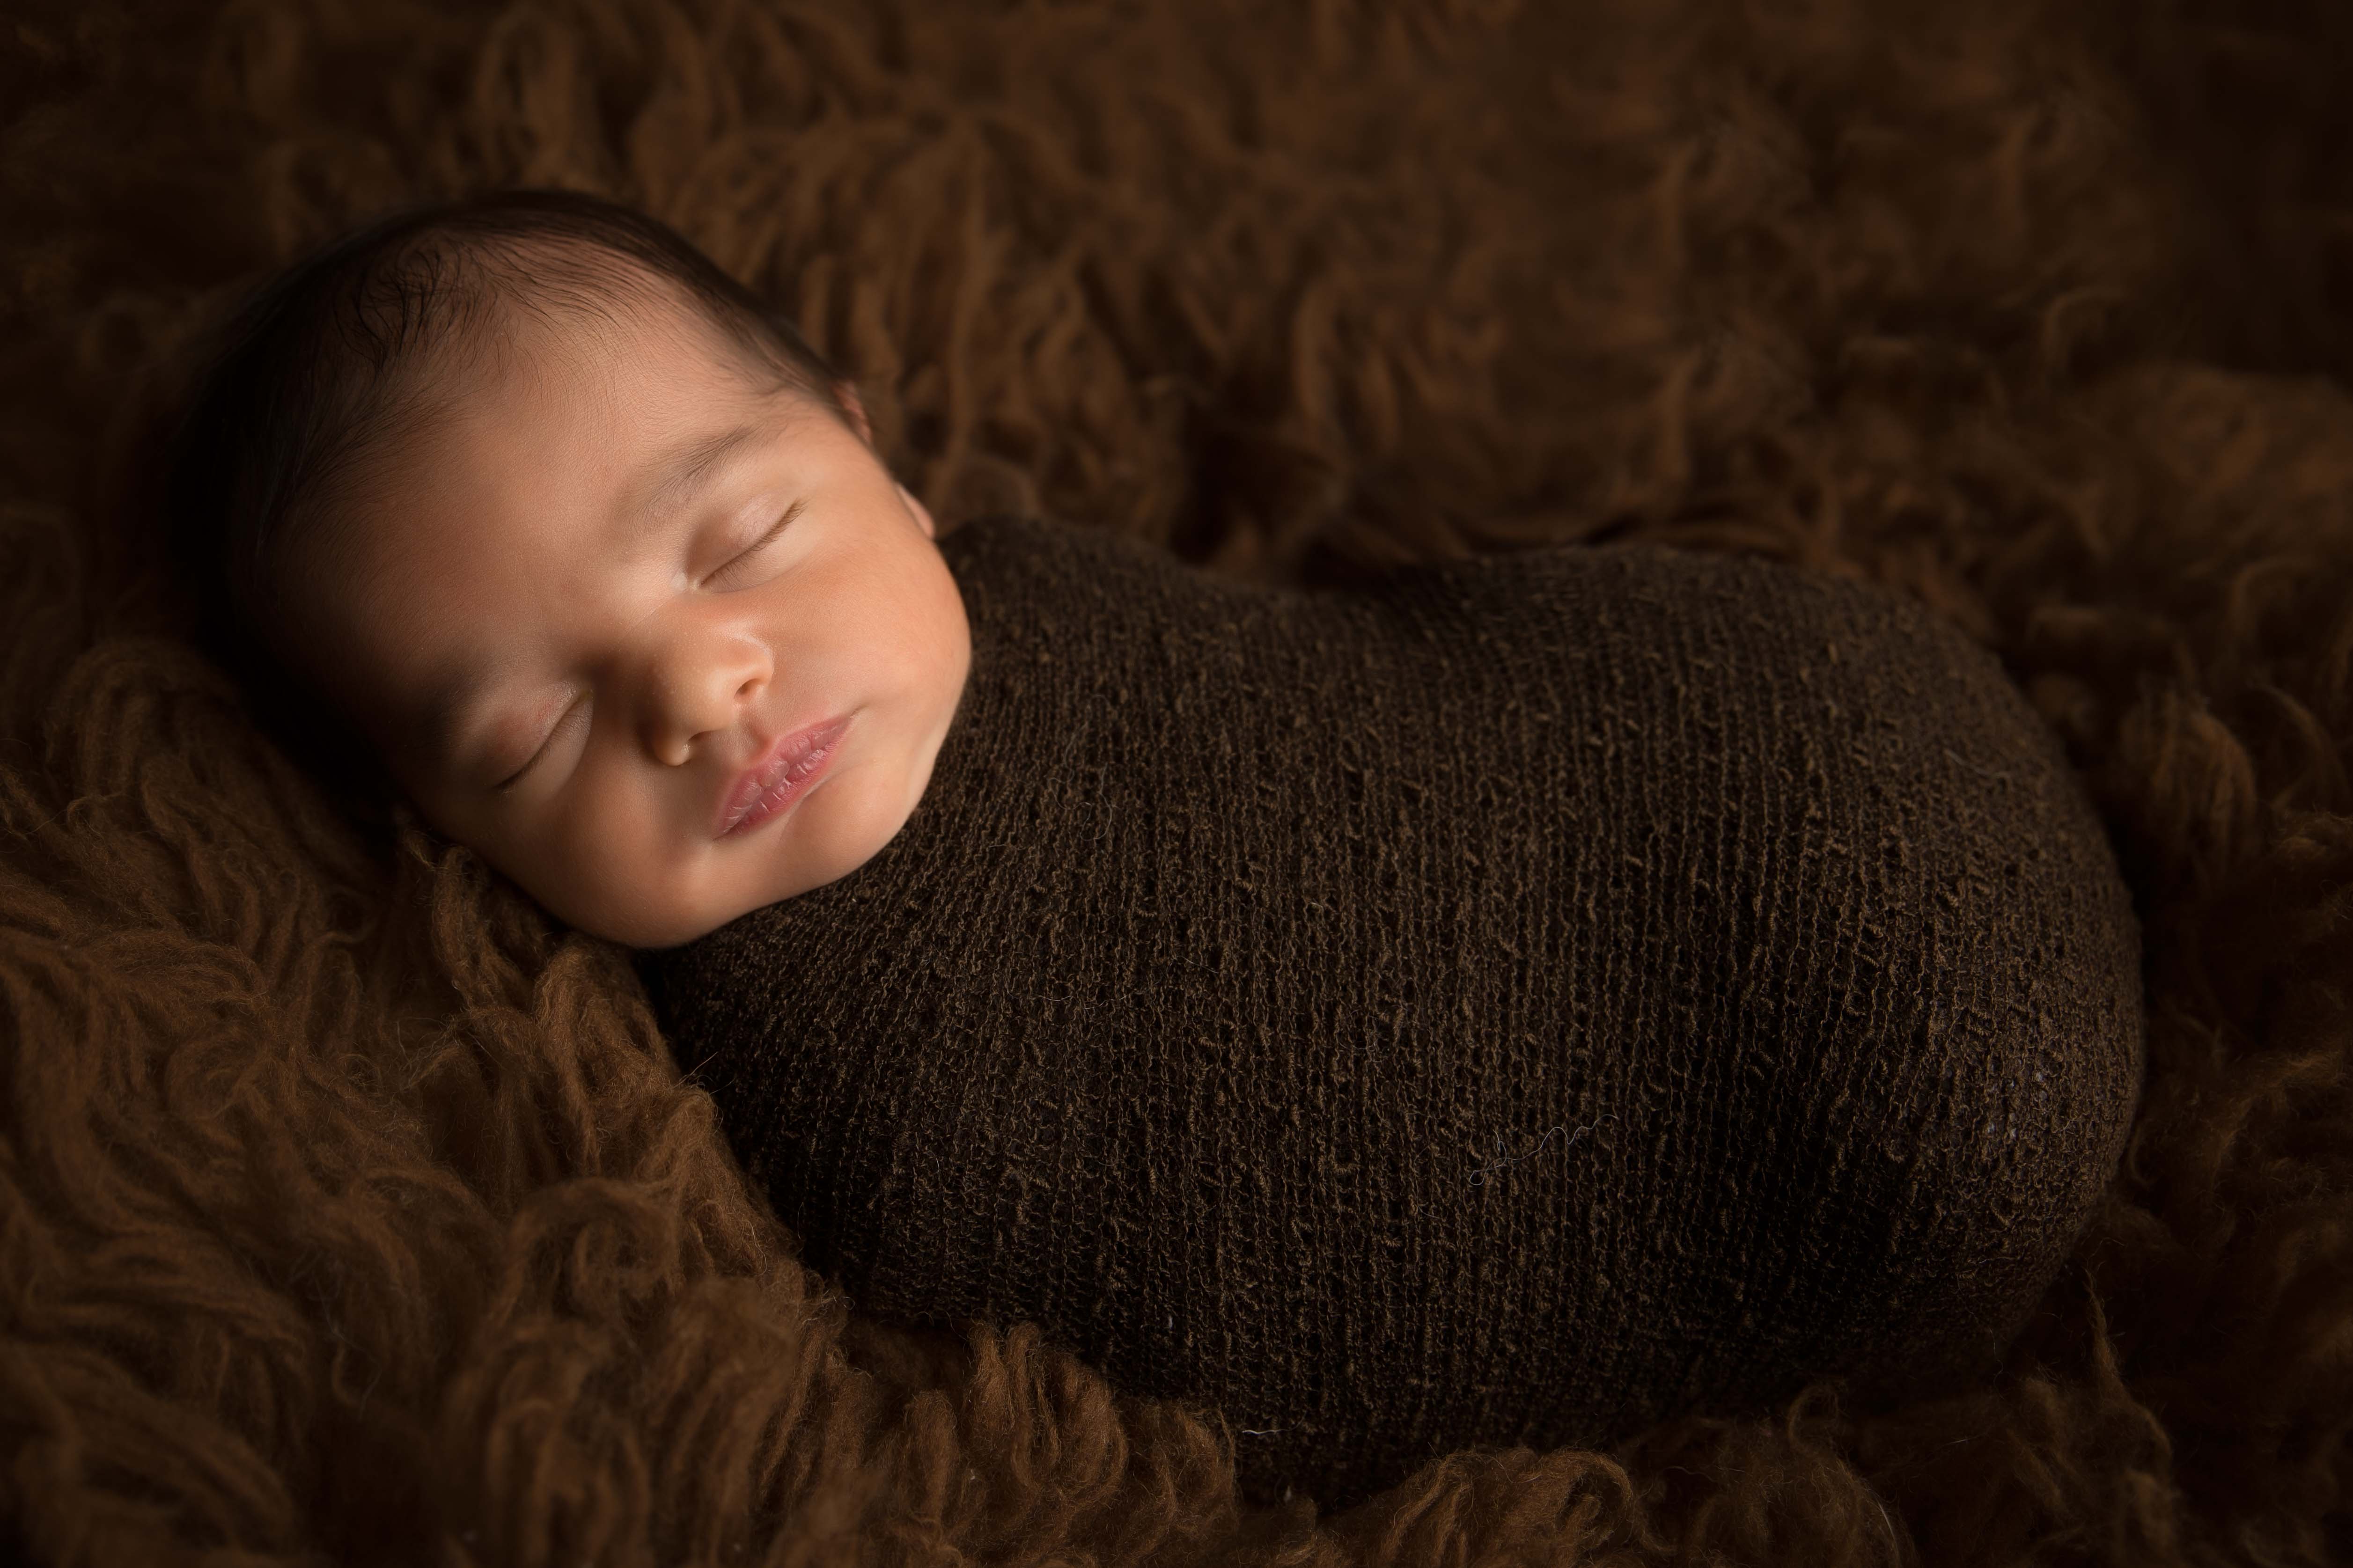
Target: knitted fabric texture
<point>1513,1003</point>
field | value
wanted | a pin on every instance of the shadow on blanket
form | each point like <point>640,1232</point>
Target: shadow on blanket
<point>352,1213</point>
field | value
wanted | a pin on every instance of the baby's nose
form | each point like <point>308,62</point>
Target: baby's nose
<point>699,696</point>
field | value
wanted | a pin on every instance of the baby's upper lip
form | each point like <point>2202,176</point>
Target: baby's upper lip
<point>768,765</point>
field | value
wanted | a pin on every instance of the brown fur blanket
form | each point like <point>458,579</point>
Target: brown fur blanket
<point>352,1212</point>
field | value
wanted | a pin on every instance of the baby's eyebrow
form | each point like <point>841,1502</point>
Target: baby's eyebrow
<point>670,480</point>
<point>665,485</point>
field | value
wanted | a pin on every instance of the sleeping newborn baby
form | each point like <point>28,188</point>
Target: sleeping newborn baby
<point>1509,1002</point>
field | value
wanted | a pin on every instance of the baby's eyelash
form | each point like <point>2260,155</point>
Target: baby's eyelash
<point>507,783</point>
<point>761,542</point>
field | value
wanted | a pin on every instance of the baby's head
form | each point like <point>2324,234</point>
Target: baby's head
<point>521,508</point>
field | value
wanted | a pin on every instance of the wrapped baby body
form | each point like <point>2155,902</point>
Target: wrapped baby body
<point>1529,998</point>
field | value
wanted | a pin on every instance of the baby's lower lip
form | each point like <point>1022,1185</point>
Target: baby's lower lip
<point>780,797</point>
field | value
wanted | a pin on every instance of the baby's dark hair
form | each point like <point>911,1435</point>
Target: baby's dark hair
<point>319,370</point>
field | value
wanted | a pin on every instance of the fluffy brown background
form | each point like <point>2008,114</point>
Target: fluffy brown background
<point>351,1214</point>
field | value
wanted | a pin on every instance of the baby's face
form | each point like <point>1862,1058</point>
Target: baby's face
<point>579,657</point>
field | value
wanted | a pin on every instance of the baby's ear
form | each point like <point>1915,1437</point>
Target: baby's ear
<point>922,513</point>
<point>847,396</point>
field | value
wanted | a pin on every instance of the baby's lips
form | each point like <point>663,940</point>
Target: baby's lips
<point>775,759</point>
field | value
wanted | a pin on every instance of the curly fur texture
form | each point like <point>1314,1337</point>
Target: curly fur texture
<point>352,1212</point>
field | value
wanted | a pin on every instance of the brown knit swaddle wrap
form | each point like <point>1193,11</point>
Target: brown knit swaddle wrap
<point>1533,996</point>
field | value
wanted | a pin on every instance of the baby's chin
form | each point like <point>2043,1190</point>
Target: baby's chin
<point>831,832</point>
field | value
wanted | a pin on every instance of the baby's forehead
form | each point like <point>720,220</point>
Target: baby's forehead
<point>591,316</point>
<point>616,347</point>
